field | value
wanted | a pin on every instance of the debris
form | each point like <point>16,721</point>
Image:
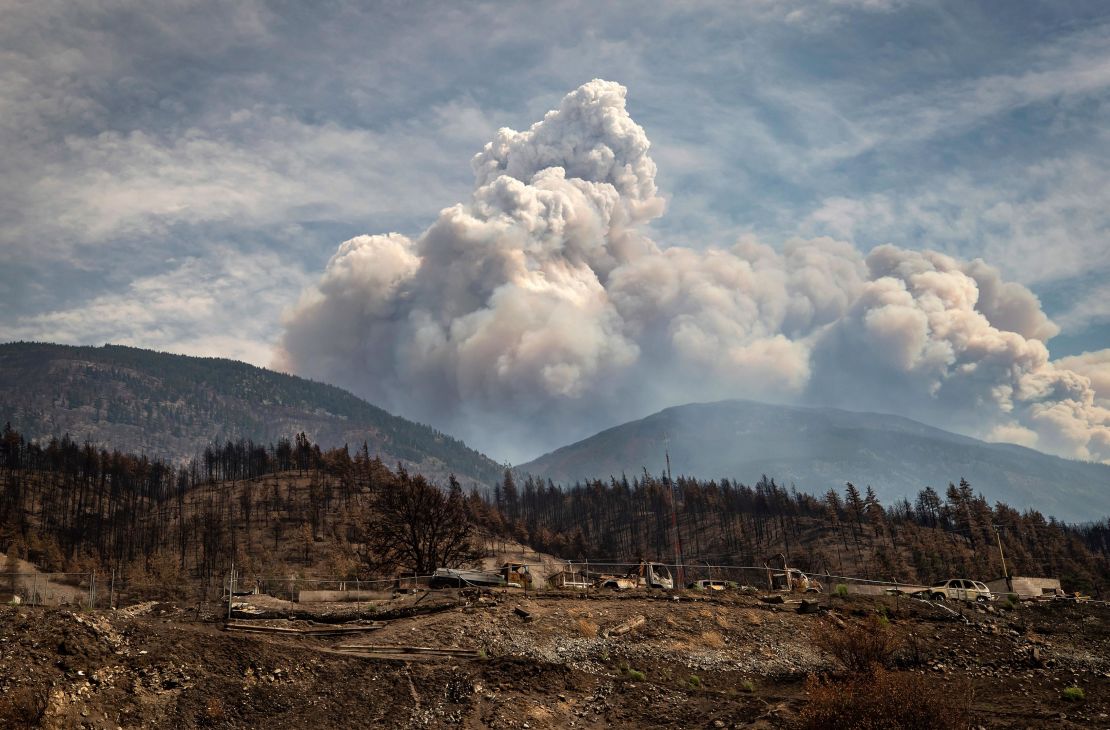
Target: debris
<point>387,650</point>
<point>809,606</point>
<point>307,631</point>
<point>523,614</point>
<point>627,626</point>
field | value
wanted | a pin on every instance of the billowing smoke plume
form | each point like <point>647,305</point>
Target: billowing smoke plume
<point>540,312</point>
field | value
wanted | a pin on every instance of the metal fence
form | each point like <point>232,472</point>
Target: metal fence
<point>97,590</point>
<point>588,571</point>
<point>759,577</point>
<point>48,589</point>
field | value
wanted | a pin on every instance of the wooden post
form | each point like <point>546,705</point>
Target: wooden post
<point>230,588</point>
<point>358,608</point>
<point>112,590</point>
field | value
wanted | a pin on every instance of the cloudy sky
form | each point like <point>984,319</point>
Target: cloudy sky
<point>181,176</point>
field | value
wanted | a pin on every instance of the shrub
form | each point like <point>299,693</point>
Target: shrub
<point>913,653</point>
<point>695,681</point>
<point>1074,694</point>
<point>636,675</point>
<point>842,590</point>
<point>894,700</point>
<point>747,685</point>
<point>859,648</point>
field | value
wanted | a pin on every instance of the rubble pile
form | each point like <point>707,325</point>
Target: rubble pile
<point>505,659</point>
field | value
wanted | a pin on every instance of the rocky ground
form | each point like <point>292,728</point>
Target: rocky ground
<point>635,659</point>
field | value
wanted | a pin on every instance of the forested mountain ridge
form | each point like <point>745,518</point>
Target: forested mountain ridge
<point>173,406</point>
<point>821,448</point>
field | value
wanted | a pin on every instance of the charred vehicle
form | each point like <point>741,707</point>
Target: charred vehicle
<point>646,575</point>
<point>510,575</point>
<point>790,580</point>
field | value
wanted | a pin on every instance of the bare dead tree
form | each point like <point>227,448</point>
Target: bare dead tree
<point>415,526</point>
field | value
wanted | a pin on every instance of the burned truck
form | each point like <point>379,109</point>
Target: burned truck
<point>646,575</point>
<point>510,575</point>
<point>791,580</point>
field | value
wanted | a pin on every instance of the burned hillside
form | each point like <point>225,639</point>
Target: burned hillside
<point>294,509</point>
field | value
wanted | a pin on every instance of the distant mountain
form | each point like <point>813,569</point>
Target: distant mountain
<point>818,448</point>
<point>172,406</point>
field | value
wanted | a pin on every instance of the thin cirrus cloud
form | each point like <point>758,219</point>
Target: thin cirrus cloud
<point>184,308</point>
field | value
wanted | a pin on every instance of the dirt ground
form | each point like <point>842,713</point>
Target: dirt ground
<point>695,660</point>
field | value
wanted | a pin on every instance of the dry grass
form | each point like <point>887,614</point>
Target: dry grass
<point>540,714</point>
<point>722,620</point>
<point>712,639</point>
<point>586,627</point>
<point>889,700</point>
<point>214,712</point>
<point>753,618</point>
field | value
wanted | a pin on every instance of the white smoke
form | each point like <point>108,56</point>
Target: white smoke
<point>540,312</point>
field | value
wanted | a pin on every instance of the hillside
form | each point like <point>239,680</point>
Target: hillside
<point>162,541</point>
<point>821,448</point>
<point>173,406</point>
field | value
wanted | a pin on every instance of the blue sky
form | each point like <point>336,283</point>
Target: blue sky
<point>175,174</point>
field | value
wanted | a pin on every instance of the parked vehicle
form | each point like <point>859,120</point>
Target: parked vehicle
<point>960,589</point>
<point>708,585</point>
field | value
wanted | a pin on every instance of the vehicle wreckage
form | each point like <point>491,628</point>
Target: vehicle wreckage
<point>510,575</point>
<point>646,575</point>
<point>791,580</point>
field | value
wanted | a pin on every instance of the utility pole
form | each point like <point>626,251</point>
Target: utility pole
<point>679,577</point>
<point>1005,572</point>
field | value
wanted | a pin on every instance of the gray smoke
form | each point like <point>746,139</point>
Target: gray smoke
<point>540,312</point>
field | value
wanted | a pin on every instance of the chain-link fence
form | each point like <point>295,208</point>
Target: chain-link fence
<point>586,575</point>
<point>48,589</point>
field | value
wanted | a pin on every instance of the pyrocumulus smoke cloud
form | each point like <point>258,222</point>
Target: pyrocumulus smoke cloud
<point>540,312</point>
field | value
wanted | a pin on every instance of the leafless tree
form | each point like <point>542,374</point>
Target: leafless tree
<point>415,526</point>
